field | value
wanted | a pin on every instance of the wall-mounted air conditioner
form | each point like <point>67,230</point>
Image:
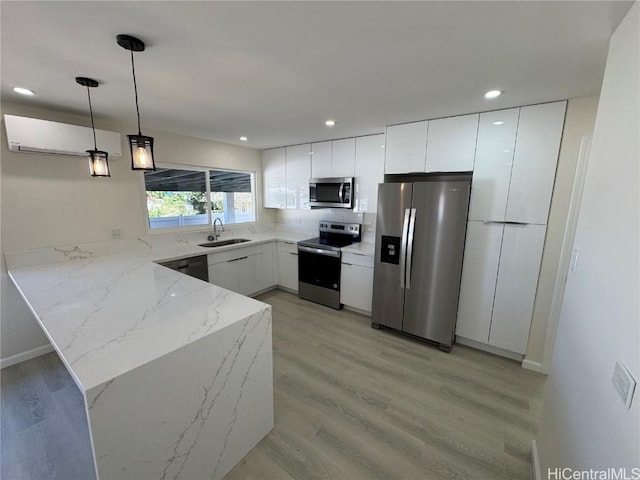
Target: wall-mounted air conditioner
<point>42,136</point>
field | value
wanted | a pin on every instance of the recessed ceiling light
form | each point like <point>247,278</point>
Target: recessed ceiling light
<point>243,139</point>
<point>498,122</point>
<point>330,123</point>
<point>23,91</point>
<point>493,94</point>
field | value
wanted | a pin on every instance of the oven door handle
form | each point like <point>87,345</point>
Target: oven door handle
<point>319,251</point>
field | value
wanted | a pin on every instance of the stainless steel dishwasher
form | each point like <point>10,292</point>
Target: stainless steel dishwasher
<point>193,266</point>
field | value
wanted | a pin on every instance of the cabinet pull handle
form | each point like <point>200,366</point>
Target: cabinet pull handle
<point>293,253</point>
<point>345,263</point>
<point>236,259</point>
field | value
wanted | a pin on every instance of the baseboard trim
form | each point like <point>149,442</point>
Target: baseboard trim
<point>533,366</point>
<point>535,460</point>
<point>24,356</point>
<point>357,310</point>
<point>489,348</point>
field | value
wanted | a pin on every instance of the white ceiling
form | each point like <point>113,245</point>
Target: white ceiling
<point>274,71</point>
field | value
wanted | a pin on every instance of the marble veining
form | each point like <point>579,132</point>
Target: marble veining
<point>179,367</point>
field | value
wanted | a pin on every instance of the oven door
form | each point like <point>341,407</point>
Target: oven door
<point>319,267</point>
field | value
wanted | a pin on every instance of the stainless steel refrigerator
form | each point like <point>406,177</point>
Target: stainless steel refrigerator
<point>420,234</point>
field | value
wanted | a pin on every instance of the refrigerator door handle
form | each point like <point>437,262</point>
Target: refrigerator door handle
<point>412,228</point>
<point>403,246</point>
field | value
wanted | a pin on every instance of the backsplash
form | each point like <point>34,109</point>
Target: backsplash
<point>306,221</point>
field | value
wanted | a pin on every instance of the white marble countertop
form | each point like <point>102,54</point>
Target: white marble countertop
<point>107,308</point>
<point>361,248</point>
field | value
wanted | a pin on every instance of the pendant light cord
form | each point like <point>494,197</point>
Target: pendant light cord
<point>93,127</point>
<point>135,89</point>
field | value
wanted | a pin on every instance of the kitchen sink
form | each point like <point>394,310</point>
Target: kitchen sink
<point>222,243</point>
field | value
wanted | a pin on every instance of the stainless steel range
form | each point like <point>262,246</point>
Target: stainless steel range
<point>319,261</point>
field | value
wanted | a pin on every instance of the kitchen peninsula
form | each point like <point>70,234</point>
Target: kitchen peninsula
<point>176,373</point>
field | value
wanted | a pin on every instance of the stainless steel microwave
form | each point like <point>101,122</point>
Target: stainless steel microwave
<point>331,192</point>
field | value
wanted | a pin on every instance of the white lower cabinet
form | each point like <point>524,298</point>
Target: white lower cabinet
<point>243,270</point>
<point>356,281</point>
<point>516,286</point>
<point>499,282</point>
<point>288,265</point>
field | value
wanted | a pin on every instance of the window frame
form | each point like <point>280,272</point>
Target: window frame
<point>195,228</point>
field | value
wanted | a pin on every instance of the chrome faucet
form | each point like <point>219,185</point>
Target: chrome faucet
<point>216,235</point>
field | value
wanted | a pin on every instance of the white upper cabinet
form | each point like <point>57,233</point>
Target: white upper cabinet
<point>534,163</point>
<point>406,148</point>
<point>321,160</point>
<point>298,161</point>
<point>343,157</point>
<point>516,286</point>
<point>369,172</point>
<point>274,178</point>
<point>492,169</point>
<point>333,159</point>
<point>451,144</point>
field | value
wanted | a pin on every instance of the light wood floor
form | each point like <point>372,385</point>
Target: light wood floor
<point>351,402</point>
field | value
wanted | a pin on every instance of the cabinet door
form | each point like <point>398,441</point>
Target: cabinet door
<point>479,272</point>
<point>298,174</point>
<point>356,286</point>
<point>451,144</point>
<point>225,275</point>
<point>268,266</point>
<point>406,148</point>
<point>250,274</point>
<point>343,157</point>
<point>534,163</point>
<point>321,160</point>
<point>288,266</point>
<point>369,172</point>
<point>274,178</point>
<point>516,286</point>
<point>492,169</point>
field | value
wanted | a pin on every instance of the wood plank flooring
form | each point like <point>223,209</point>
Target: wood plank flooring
<point>351,402</point>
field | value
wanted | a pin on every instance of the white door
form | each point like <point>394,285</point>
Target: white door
<point>356,286</point>
<point>406,148</point>
<point>274,178</point>
<point>250,274</point>
<point>451,144</point>
<point>369,172</point>
<point>288,266</point>
<point>534,164</point>
<point>321,160</point>
<point>479,272</point>
<point>516,286</point>
<point>343,157</point>
<point>298,163</point>
<point>268,265</point>
<point>494,160</point>
<point>225,275</point>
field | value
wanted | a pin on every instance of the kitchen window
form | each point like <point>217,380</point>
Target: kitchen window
<point>188,197</point>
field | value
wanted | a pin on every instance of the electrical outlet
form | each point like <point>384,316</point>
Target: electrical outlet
<point>623,383</point>
<point>116,233</point>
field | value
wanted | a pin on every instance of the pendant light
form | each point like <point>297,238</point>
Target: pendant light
<point>140,145</point>
<point>98,160</point>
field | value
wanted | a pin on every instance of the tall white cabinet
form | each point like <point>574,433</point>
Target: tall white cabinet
<point>516,156</point>
<point>369,172</point>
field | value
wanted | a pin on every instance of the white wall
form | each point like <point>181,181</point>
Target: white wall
<point>584,423</point>
<point>51,200</point>
<point>579,122</point>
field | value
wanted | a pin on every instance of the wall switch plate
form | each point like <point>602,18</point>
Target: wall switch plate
<point>624,383</point>
<point>116,233</point>
<point>574,259</point>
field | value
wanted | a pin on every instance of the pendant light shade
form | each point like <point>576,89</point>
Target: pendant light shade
<point>141,146</point>
<point>98,159</point>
